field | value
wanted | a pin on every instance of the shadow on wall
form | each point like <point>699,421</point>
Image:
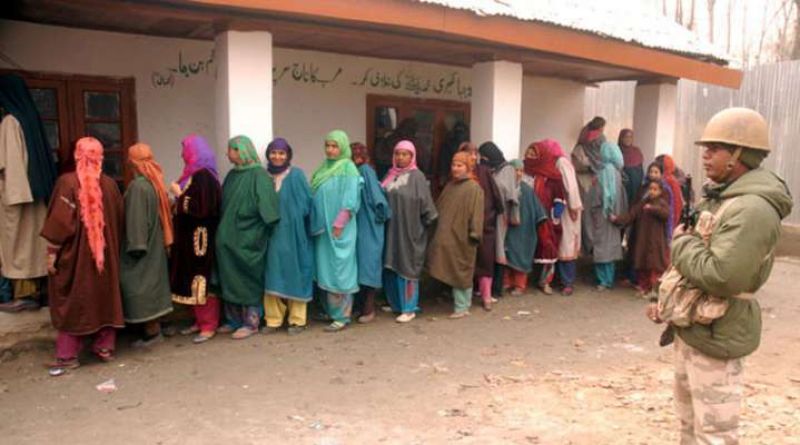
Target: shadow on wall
<point>789,244</point>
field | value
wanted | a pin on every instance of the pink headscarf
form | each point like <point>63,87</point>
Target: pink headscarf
<point>396,171</point>
<point>89,168</point>
<point>197,155</point>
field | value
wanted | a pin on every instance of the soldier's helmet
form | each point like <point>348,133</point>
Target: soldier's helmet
<point>741,127</point>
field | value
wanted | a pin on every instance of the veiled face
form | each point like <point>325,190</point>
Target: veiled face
<point>234,156</point>
<point>532,153</point>
<point>654,174</point>
<point>627,139</point>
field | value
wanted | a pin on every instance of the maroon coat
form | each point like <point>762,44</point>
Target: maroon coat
<point>492,206</point>
<point>650,249</point>
<point>83,300</point>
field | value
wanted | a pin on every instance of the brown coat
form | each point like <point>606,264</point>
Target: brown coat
<point>451,254</point>
<point>649,234</point>
<point>82,300</point>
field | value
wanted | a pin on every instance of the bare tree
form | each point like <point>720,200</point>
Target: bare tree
<point>796,49</point>
<point>729,27</point>
<point>710,4</point>
<point>691,25</point>
<point>679,11</point>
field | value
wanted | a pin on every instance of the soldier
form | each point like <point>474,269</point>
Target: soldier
<point>733,263</point>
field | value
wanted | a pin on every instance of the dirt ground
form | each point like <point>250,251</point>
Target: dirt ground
<point>537,370</point>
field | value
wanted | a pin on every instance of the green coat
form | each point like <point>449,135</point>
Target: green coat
<point>737,260</point>
<point>144,276</point>
<point>249,211</point>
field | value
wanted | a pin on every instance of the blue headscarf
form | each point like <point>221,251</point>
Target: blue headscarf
<point>612,162</point>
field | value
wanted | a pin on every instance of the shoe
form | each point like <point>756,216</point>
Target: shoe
<point>225,329</point>
<point>61,366</point>
<point>494,300</point>
<point>567,291</point>
<point>600,288</point>
<point>386,308</point>
<point>516,292</point>
<point>242,333</point>
<point>203,337</point>
<point>145,342</point>
<point>23,304</point>
<point>296,330</point>
<point>405,317</point>
<point>487,306</point>
<point>547,290</point>
<point>266,330</point>
<point>456,315</point>
<point>193,329</point>
<point>336,326</point>
<point>364,319</point>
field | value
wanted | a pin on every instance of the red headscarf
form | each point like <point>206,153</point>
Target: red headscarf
<point>675,186</point>
<point>89,168</point>
<point>141,156</point>
<point>360,153</point>
<point>545,165</point>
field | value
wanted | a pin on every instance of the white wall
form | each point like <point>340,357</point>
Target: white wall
<point>314,92</point>
<point>307,106</point>
<point>165,114</point>
<point>551,108</point>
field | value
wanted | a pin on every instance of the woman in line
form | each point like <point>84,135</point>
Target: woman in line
<point>570,247</point>
<point>197,204</point>
<point>492,206</point>
<point>290,257</point>
<point>249,214</point>
<point>633,170</point>
<point>650,251</point>
<point>669,170</point>
<point>373,213</point>
<point>522,239</point>
<point>586,160</point>
<point>452,253</point>
<point>606,198</point>
<point>505,177</point>
<point>82,228</point>
<point>545,179</point>
<point>335,188</point>
<point>413,211</point>
<point>144,274</point>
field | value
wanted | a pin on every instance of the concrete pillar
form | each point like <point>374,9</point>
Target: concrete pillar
<point>243,88</point>
<point>552,108</point>
<point>496,108</point>
<point>654,116</point>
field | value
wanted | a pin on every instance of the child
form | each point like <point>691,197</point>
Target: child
<point>649,254</point>
<point>451,256</point>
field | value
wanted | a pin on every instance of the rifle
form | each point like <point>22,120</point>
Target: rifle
<point>687,213</point>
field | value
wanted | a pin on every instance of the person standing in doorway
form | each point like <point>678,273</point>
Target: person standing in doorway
<point>413,211</point>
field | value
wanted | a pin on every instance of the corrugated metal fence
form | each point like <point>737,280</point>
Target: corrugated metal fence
<point>773,90</point>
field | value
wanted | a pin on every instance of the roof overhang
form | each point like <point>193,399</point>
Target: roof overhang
<point>397,29</point>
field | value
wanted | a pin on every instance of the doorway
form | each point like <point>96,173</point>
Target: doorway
<point>427,122</point>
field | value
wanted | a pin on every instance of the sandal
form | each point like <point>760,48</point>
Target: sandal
<point>242,333</point>
<point>336,326</point>
<point>61,366</point>
<point>193,329</point>
<point>203,337</point>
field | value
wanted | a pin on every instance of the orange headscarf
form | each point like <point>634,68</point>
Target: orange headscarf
<point>141,156</point>
<point>89,168</point>
<point>466,158</point>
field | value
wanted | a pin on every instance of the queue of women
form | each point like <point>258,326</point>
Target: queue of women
<point>250,252</point>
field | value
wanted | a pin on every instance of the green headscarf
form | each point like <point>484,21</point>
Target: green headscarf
<point>341,166</point>
<point>611,158</point>
<point>247,152</point>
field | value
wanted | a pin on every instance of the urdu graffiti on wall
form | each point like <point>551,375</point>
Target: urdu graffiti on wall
<point>450,84</point>
<point>306,73</point>
<point>184,69</point>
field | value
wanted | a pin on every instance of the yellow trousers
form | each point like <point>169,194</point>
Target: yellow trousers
<point>275,311</point>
